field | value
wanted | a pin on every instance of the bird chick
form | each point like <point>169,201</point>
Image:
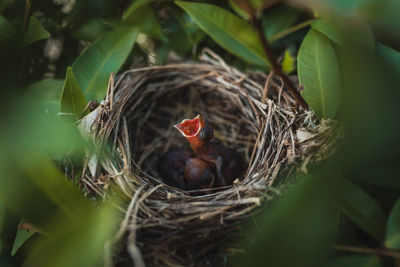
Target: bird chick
<point>198,174</point>
<point>183,169</point>
<point>226,163</point>
<point>171,166</point>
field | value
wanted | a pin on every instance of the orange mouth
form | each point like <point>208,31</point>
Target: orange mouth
<point>189,128</point>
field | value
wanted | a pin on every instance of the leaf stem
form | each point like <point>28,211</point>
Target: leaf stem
<point>290,30</point>
<point>376,251</point>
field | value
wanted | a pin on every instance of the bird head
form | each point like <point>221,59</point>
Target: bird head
<point>197,131</point>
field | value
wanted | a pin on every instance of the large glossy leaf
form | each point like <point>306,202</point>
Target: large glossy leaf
<point>391,56</point>
<point>141,15</point>
<point>35,32</point>
<point>355,261</point>
<point>358,32</point>
<point>362,209</point>
<point>93,67</point>
<point>46,94</point>
<point>392,240</point>
<point>319,74</point>
<point>231,32</point>
<point>72,99</point>
<point>22,236</point>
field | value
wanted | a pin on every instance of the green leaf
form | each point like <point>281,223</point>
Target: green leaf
<point>22,236</point>
<point>361,209</point>
<point>381,13</point>
<point>87,235</point>
<point>391,56</point>
<point>392,240</point>
<point>228,30</point>
<point>72,99</point>
<point>91,30</point>
<point>288,63</point>
<point>319,74</point>
<point>81,226</point>
<point>46,94</point>
<point>141,15</point>
<point>355,261</point>
<point>35,32</point>
<point>93,67</point>
<point>359,32</point>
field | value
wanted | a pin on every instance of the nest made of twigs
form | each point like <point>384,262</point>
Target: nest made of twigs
<point>251,113</point>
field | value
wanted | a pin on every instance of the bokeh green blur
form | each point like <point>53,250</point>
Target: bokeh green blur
<point>350,200</point>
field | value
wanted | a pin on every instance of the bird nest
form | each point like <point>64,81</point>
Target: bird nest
<point>251,113</point>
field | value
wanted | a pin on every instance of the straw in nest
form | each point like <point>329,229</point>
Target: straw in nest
<point>250,112</point>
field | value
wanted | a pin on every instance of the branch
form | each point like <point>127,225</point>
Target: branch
<point>375,251</point>
<point>276,68</point>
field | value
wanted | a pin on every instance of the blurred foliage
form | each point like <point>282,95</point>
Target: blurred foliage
<point>56,56</point>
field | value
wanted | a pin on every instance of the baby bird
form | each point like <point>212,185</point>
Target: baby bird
<point>181,168</point>
<point>226,163</point>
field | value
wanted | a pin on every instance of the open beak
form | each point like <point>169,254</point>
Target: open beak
<point>190,128</point>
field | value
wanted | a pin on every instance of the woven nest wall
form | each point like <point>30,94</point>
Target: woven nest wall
<point>250,112</point>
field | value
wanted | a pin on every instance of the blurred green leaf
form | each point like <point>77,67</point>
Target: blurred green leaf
<point>279,19</point>
<point>391,56</point>
<point>139,3</point>
<point>3,5</point>
<point>39,169</point>
<point>355,261</point>
<point>46,94</point>
<point>141,15</point>
<point>93,67</point>
<point>330,29</point>
<point>392,240</point>
<point>294,229</point>
<point>334,30</point>
<point>319,74</point>
<point>381,13</point>
<point>72,99</point>
<point>22,236</point>
<point>288,62</point>
<point>76,243</point>
<point>361,209</point>
<point>229,31</point>
<point>35,32</point>
<point>7,30</point>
